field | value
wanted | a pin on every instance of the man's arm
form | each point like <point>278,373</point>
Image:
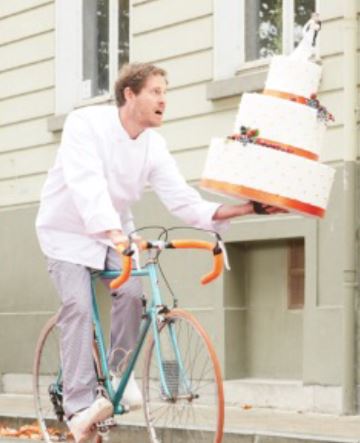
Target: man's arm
<point>225,212</point>
<point>84,176</point>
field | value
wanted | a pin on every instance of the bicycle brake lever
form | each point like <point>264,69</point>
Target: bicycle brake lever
<point>226,258</point>
<point>136,255</point>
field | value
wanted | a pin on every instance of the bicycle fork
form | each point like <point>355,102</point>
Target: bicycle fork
<point>174,382</point>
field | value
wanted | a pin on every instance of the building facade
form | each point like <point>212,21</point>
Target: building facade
<point>284,320</point>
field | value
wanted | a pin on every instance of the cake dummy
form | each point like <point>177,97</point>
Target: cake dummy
<point>273,155</point>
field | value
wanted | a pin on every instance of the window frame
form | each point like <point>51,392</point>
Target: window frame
<point>229,53</point>
<point>69,55</point>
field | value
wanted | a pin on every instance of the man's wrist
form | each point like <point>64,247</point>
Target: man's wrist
<point>116,236</point>
<point>225,212</point>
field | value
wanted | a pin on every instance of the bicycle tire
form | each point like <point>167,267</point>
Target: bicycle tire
<point>194,413</point>
<point>45,375</point>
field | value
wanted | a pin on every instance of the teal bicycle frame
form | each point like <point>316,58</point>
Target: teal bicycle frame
<point>150,319</point>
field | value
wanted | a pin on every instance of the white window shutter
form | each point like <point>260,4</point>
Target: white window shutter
<point>228,37</point>
<point>67,54</point>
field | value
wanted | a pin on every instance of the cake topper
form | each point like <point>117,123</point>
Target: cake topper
<point>307,48</point>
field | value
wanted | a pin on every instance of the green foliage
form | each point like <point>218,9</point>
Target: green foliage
<point>270,27</point>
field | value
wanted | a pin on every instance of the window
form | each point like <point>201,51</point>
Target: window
<point>98,36</point>
<point>296,274</point>
<point>92,44</point>
<point>247,31</point>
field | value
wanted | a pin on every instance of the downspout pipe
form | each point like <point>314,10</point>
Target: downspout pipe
<point>350,77</point>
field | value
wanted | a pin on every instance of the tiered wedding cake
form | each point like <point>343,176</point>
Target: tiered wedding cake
<point>273,156</point>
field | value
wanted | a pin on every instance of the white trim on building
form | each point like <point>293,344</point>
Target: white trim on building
<point>70,89</point>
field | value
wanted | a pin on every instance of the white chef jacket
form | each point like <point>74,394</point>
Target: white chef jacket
<point>98,173</point>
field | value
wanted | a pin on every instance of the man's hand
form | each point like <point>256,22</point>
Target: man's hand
<point>118,238</point>
<point>226,212</point>
<point>264,209</point>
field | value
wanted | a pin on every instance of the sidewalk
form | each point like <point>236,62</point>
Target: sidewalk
<point>246,426</point>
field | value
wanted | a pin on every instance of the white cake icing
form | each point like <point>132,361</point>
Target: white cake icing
<point>269,170</point>
<point>296,77</point>
<point>282,121</point>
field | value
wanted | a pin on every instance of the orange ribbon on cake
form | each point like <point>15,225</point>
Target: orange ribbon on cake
<point>286,96</point>
<point>286,148</point>
<point>262,196</point>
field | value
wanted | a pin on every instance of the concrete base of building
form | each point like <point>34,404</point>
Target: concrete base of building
<point>288,395</point>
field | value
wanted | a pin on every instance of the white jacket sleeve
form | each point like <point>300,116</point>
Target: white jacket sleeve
<point>181,199</point>
<point>84,176</point>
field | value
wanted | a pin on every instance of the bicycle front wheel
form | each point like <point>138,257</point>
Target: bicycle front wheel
<point>47,384</point>
<point>186,403</point>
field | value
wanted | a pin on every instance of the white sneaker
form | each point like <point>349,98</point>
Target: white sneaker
<point>132,397</point>
<point>82,422</point>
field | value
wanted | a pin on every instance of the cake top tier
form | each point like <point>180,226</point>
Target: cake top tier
<point>296,74</point>
<point>307,47</point>
<point>292,76</point>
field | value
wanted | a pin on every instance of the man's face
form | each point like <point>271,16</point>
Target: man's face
<point>149,105</point>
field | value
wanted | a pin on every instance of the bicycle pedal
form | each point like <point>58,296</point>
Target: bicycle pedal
<point>103,428</point>
<point>108,423</point>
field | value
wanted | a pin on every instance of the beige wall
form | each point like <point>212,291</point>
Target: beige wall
<point>26,99</point>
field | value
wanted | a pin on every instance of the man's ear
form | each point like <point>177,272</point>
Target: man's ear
<point>128,93</point>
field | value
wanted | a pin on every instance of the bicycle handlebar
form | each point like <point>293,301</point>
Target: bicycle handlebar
<point>174,244</point>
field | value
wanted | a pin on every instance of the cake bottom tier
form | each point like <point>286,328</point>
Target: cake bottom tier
<point>268,176</point>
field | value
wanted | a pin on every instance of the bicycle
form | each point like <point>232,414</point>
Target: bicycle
<point>181,385</point>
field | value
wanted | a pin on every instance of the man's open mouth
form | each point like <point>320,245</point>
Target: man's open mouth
<point>159,112</point>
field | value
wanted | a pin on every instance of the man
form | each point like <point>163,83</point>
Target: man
<point>107,156</point>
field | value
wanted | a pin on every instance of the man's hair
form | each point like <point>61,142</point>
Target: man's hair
<point>134,76</point>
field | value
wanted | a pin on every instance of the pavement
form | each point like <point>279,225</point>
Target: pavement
<point>244,425</point>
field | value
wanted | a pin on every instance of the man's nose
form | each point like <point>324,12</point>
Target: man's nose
<point>162,99</point>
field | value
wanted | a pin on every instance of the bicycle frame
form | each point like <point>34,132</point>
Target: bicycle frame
<point>150,319</point>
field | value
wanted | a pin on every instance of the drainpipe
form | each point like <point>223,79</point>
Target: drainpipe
<point>349,385</point>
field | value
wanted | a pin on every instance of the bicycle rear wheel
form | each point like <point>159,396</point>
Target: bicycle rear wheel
<point>192,407</point>
<point>47,384</point>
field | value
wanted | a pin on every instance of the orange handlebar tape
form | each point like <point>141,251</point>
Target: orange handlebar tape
<point>199,244</point>
<point>217,270</point>
<point>177,244</point>
<point>192,244</point>
<point>127,265</point>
